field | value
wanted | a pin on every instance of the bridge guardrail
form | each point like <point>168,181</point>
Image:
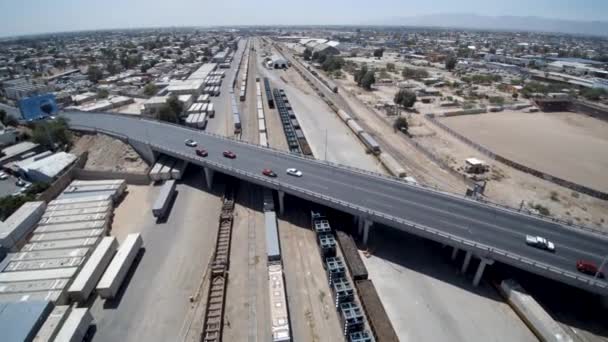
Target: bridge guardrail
<point>438,235</point>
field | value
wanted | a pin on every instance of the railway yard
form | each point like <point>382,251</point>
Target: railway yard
<point>218,259</point>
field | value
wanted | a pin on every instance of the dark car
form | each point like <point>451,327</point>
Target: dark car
<point>269,173</point>
<point>589,268</point>
<point>229,154</point>
<point>201,152</point>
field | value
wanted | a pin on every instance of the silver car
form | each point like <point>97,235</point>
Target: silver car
<point>294,172</point>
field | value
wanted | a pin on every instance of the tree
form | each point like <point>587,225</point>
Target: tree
<point>166,113</point>
<point>94,74</point>
<point>175,105</point>
<point>360,73</point>
<point>378,52</point>
<point>102,94</point>
<point>497,100</point>
<point>416,74</point>
<point>368,80</point>
<point>112,68</point>
<point>390,67</point>
<point>401,124</point>
<point>307,54</point>
<point>405,98</point>
<point>49,133</point>
<point>593,94</point>
<point>450,63</point>
<point>150,89</point>
<point>332,63</point>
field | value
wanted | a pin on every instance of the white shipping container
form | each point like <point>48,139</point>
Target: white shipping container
<point>354,126</point>
<point>260,114</point>
<point>64,227</point>
<point>98,182</point>
<point>117,270</point>
<point>92,270</point>
<point>34,286</point>
<point>74,218</point>
<point>79,206</point>
<point>32,265</point>
<point>51,254</point>
<point>80,211</point>
<point>67,272</point>
<point>59,244</point>
<point>263,140</point>
<point>73,234</point>
<point>83,199</point>
<point>75,326</point>
<point>261,125</point>
<point>50,328</point>
<point>21,223</point>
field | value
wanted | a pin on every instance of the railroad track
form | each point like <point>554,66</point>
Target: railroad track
<point>216,297</point>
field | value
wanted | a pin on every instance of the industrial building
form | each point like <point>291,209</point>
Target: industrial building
<point>45,169</point>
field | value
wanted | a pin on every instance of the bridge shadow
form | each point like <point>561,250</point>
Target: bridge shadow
<point>567,305</point>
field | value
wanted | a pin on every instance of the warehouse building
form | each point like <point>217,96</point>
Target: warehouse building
<point>45,169</point>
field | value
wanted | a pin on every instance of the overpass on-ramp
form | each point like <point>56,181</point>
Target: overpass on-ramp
<point>481,229</point>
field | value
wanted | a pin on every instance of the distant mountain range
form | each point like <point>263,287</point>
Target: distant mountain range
<point>499,23</point>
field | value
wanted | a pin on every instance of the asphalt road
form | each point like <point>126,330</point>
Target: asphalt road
<point>463,218</point>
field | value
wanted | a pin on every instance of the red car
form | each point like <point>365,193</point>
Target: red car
<point>589,268</point>
<point>269,173</point>
<point>229,154</point>
<point>201,152</point>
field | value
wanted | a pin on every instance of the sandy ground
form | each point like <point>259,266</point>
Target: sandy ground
<point>567,145</point>
<point>510,187</point>
<point>134,108</point>
<point>108,154</point>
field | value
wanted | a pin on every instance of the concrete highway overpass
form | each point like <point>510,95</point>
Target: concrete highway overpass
<point>483,230</point>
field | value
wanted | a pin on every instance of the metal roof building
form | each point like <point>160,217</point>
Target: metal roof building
<point>44,170</point>
<point>20,321</point>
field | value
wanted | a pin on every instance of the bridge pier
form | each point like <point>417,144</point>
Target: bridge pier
<point>467,260</point>
<point>366,227</point>
<point>360,221</point>
<point>209,177</point>
<point>454,253</point>
<point>480,269</point>
<point>281,202</point>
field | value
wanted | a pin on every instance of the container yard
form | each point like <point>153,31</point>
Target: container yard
<point>75,326</point>
<point>49,330</point>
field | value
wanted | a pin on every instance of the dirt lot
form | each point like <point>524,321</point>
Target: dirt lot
<point>108,154</point>
<point>567,145</point>
<point>509,186</point>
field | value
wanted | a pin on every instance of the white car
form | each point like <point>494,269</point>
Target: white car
<point>3,176</point>
<point>294,172</point>
<point>190,143</point>
<point>540,242</point>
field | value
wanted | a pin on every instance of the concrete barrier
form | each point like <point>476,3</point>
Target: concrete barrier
<point>535,317</point>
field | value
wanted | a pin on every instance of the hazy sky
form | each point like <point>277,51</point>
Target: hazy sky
<point>34,16</point>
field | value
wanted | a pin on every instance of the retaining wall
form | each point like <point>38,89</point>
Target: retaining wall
<point>556,180</point>
<point>129,177</point>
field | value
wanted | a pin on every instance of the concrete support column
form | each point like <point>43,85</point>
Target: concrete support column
<point>366,227</point>
<point>480,269</point>
<point>209,177</point>
<point>454,253</point>
<point>281,202</point>
<point>360,221</point>
<point>467,260</point>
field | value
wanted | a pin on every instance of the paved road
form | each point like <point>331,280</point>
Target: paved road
<point>443,217</point>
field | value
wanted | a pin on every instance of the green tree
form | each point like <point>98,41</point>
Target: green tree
<point>450,62</point>
<point>593,94</point>
<point>112,68</point>
<point>307,54</point>
<point>360,73</point>
<point>497,100</point>
<point>405,98</point>
<point>150,89</point>
<point>102,94</point>
<point>94,74</point>
<point>390,67</point>
<point>416,74</point>
<point>50,133</point>
<point>332,63</point>
<point>166,113</point>
<point>378,52</point>
<point>175,105</point>
<point>368,80</point>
